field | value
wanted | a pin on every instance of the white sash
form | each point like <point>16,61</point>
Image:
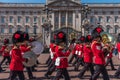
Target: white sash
<point>79,53</point>
<point>51,54</point>
<point>57,61</point>
<point>76,52</point>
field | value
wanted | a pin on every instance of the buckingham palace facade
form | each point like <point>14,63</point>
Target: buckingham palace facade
<point>65,14</point>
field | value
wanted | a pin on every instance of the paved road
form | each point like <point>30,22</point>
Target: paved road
<point>42,68</point>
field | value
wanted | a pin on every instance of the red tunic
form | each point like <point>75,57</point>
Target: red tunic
<point>16,60</point>
<point>118,47</point>
<point>24,48</point>
<point>63,57</point>
<point>87,54</point>
<point>4,52</point>
<point>80,51</point>
<point>97,53</point>
<point>75,49</point>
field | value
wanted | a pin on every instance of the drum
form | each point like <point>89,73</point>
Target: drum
<point>37,47</point>
<point>32,58</point>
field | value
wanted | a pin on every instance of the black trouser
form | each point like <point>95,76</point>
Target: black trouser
<point>29,72</point>
<point>51,68</point>
<point>4,58</point>
<point>76,60</point>
<point>14,74</point>
<point>72,57</point>
<point>109,60</point>
<point>79,62</point>
<point>117,73</point>
<point>85,68</point>
<point>100,69</point>
<point>48,60</point>
<point>60,72</point>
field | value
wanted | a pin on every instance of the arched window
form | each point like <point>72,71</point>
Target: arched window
<point>27,29</point>
<point>19,28</point>
<point>116,29</point>
<point>2,30</point>
<point>10,30</point>
<point>34,29</point>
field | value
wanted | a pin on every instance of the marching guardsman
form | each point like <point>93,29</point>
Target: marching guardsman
<point>25,48</point>
<point>5,50</point>
<point>72,45</point>
<point>98,55</point>
<point>117,73</point>
<point>16,65</point>
<point>61,54</point>
<point>109,55</point>
<point>52,66</point>
<point>88,57</point>
<point>79,61</point>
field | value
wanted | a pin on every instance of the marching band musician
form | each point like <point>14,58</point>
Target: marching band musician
<point>109,55</point>
<point>88,57</point>
<point>24,48</point>
<point>117,73</point>
<point>52,66</point>
<point>79,51</point>
<point>5,52</point>
<point>16,65</point>
<point>98,55</point>
<point>61,56</point>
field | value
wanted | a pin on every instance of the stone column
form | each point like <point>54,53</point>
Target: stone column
<point>74,23</point>
<point>66,23</point>
<point>59,19</point>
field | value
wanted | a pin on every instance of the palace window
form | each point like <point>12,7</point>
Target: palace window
<point>10,30</point>
<point>63,18</point>
<point>27,29</point>
<point>56,20</point>
<point>108,19</point>
<point>35,19</point>
<point>100,19</point>
<point>19,19</point>
<point>34,30</point>
<point>70,18</point>
<point>116,19</point>
<point>11,19</point>
<point>107,29</point>
<point>2,19</point>
<point>92,19</point>
<point>2,30</point>
<point>19,28</point>
<point>27,19</point>
<point>43,19</point>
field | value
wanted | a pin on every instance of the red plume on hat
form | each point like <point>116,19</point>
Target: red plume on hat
<point>61,37</point>
<point>6,41</point>
<point>99,29</point>
<point>89,37</point>
<point>17,36</point>
<point>55,36</point>
<point>82,38</point>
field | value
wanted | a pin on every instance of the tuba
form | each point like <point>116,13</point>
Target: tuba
<point>107,39</point>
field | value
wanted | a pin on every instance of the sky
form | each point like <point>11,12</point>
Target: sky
<point>43,1</point>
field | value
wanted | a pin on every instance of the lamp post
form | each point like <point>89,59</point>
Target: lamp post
<point>47,24</point>
<point>84,19</point>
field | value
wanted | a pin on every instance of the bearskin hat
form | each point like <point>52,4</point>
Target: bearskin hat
<point>88,38</point>
<point>96,32</point>
<point>82,39</point>
<point>118,38</point>
<point>26,36</point>
<point>61,37</point>
<point>6,41</point>
<point>17,37</point>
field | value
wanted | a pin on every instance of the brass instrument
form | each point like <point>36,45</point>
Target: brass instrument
<point>108,40</point>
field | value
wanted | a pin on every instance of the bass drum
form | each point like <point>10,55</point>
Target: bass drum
<point>37,47</point>
<point>32,58</point>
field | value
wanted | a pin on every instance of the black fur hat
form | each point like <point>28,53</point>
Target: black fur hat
<point>82,39</point>
<point>118,38</point>
<point>96,32</point>
<point>88,38</point>
<point>18,37</point>
<point>61,37</point>
<point>6,41</point>
<point>26,36</point>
